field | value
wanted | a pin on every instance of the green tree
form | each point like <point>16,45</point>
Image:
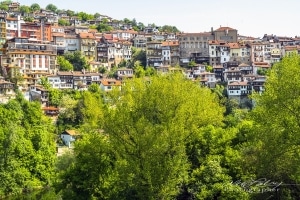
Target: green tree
<point>103,27</point>
<point>64,64</point>
<point>55,96</point>
<point>85,16</point>
<point>138,70</point>
<point>4,7</point>
<point>91,174</point>
<point>51,7</point>
<point>262,72</point>
<point>150,71</point>
<point>28,19</point>
<point>35,7</point>
<point>169,29</point>
<point>63,22</point>
<point>97,15</point>
<point>209,68</point>
<point>27,149</point>
<point>44,82</point>
<point>273,152</point>
<point>150,124</point>
<point>138,55</point>
<point>24,9</point>
<point>78,61</point>
<point>70,13</point>
<point>192,64</point>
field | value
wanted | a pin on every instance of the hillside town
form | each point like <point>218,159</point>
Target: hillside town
<point>30,50</point>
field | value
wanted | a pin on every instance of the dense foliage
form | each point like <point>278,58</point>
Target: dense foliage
<point>27,147</point>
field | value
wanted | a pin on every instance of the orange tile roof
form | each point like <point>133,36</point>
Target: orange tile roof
<point>170,43</point>
<point>71,132</point>
<point>111,82</point>
<point>86,35</point>
<point>236,83</point>
<point>233,45</point>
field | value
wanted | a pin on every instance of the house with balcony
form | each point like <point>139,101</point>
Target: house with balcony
<point>37,30</point>
<point>239,90</point>
<point>124,34</point>
<point>218,70</point>
<point>87,42</point>
<point>290,50</point>
<point>58,38</point>
<point>126,49</point>
<point>6,90</point>
<point>245,69</point>
<point>65,80</point>
<point>154,54</point>
<point>208,79</point>
<point>3,16</point>
<point>54,81</point>
<point>102,50</point>
<point>124,73</point>
<point>258,84</point>
<point>39,93</point>
<point>140,41</point>
<point>257,52</point>
<point>232,74</point>
<point>260,66</point>
<point>170,51</point>
<point>14,7</point>
<point>13,27</point>
<point>72,42</point>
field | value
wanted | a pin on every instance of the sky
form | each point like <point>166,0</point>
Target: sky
<point>250,17</point>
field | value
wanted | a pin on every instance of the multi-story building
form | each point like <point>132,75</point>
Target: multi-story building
<point>194,46</point>
<point>154,54</point>
<point>257,52</point>
<point>40,30</point>
<point>239,90</point>
<point>232,74</point>
<point>140,41</point>
<point>124,34</point>
<point>126,48</point>
<point>13,27</point>
<point>2,30</point>
<point>88,45</point>
<point>72,42</point>
<point>240,52</point>
<point>30,58</point>
<point>58,38</point>
<point>218,52</point>
<point>166,54</point>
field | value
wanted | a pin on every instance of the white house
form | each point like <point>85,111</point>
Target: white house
<point>107,85</point>
<point>124,73</point>
<point>68,137</point>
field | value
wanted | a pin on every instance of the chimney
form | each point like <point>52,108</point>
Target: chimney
<point>212,29</point>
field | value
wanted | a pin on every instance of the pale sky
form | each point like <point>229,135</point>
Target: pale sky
<point>249,17</point>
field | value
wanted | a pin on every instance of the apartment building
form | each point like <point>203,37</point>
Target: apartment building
<point>30,58</point>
